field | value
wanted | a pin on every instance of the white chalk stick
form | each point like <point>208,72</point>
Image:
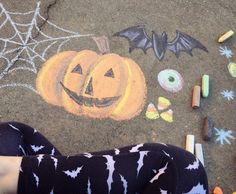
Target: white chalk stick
<point>190,143</point>
<point>199,152</point>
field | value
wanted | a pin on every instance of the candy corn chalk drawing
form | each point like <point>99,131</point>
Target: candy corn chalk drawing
<point>163,106</point>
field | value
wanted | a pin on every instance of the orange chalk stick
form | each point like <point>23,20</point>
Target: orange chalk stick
<point>217,190</point>
<point>196,97</point>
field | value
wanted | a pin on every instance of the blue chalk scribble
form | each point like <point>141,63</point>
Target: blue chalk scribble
<point>224,51</point>
<point>229,95</point>
<point>223,136</point>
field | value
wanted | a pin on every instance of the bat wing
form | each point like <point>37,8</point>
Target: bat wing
<point>69,173</point>
<point>137,38</point>
<point>184,43</point>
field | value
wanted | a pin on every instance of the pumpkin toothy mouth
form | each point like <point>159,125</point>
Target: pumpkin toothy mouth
<point>88,101</point>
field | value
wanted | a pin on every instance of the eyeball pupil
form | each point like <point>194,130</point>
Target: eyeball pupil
<point>171,79</point>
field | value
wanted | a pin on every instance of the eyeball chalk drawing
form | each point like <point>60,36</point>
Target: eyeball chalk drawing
<point>94,85</point>
<point>170,80</point>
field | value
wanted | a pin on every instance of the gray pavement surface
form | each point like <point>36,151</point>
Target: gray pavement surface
<point>204,20</point>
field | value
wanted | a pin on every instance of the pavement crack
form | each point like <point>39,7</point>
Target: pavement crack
<point>40,26</point>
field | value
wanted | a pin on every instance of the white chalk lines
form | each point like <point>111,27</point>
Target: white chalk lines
<point>22,46</point>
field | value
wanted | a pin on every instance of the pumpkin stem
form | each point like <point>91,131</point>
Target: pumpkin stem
<point>102,44</point>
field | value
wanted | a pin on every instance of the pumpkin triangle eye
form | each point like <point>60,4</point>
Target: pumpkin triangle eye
<point>77,69</point>
<point>109,73</point>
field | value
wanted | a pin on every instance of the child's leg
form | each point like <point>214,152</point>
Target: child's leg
<point>147,169</point>
<point>191,174</point>
<point>124,173</point>
<point>9,173</point>
<point>17,139</point>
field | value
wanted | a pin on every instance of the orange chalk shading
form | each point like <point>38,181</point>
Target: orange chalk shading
<point>89,84</point>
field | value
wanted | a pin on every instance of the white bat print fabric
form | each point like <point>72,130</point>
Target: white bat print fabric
<point>40,158</point>
<point>140,161</point>
<point>160,172</point>
<point>193,166</point>
<point>36,179</point>
<point>160,168</point>
<point>111,168</point>
<point>36,148</point>
<point>73,173</point>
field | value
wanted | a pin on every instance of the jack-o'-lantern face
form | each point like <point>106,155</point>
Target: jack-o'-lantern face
<point>96,84</point>
<point>99,86</point>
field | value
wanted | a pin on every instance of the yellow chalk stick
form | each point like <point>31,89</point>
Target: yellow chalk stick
<point>226,36</point>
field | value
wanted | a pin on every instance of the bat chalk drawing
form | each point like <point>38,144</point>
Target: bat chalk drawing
<point>74,173</point>
<point>138,38</point>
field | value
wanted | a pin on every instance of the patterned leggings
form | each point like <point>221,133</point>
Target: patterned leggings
<point>137,169</point>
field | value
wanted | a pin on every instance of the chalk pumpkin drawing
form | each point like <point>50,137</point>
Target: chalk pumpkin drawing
<point>170,80</point>
<point>138,38</point>
<point>162,105</point>
<point>22,46</point>
<point>94,85</point>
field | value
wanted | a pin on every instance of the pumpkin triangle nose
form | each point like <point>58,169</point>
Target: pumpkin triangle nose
<point>89,89</point>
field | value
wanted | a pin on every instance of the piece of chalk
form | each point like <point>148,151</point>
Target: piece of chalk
<point>199,152</point>
<point>205,86</point>
<point>225,36</point>
<point>190,143</point>
<point>196,97</point>
<point>217,190</point>
<point>208,127</point>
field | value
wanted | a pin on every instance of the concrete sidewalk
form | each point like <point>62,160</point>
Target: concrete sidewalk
<point>72,134</point>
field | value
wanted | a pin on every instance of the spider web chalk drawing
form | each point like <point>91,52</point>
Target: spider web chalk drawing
<point>23,47</point>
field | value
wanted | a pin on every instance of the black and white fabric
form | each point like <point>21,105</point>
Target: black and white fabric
<point>136,169</point>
